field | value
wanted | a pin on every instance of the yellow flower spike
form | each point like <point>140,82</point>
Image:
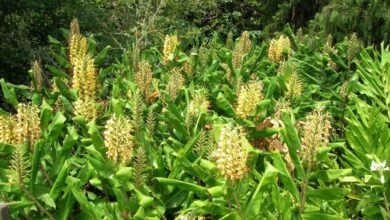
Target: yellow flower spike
<point>27,127</point>
<point>170,44</point>
<point>294,86</point>
<point>344,90</point>
<point>143,78</point>
<point>354,45</point>
<point>315,134</point>
<point>37,70</point>
<point>85,108</point>
<point>278,48</point>
<point>232,153</point>
<point>228,72</point>
<point>90,78</point>
<point>7,123</point>
<point>198,104</point>
<point>175,83</point>
<point>187,68</point>
<point>248,97</point>
<point>119,140</point>
<point>243,47</point>
<point>74,27</point>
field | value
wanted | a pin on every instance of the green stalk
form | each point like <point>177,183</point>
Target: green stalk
<point>37,203</point>
<point>304,189</point>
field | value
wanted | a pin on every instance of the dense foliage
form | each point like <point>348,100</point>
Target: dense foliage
<point>291,128</point>
<point>27,23</point>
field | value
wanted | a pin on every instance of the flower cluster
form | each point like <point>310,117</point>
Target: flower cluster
<point>248,97</point>
<point>316,133</point>
<point>175,83</point>
<point>279,49</point>
<point>84,78</point>
<point>37,72</point>
<point>143,78</point>
<point>7,124</point>
<point>170,45</point>
<point>119,140</point>
<point>232,153</point>
<point>243,47</point>
<point>22,128</point>
<point>198,104</point>
<point>294,86</point>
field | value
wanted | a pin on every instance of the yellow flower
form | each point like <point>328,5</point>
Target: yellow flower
<point>143,78</point>
<point>316,133</point>
<point>248,97</point>
<point>279,49</point>
<point>119,140</point>
<point>243,47</point>
<point>170,44</point>
<point>232,153</point>
<point>27,128</point>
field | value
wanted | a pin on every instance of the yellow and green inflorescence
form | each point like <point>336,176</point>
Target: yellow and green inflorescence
<point>232,153</point>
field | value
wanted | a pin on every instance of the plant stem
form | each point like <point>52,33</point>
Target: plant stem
<point>236,199</point>
<point>304,189</point>
<point>46,175</point>
<point>37,203</point>
<point>386,202</point>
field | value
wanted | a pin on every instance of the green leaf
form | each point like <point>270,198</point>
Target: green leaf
<point>59,183</point>
<point>65,90</point>
<point>35,163</point>
<point>99,58</point>
<point>57,72</point>
<point>330,193</point>
<point>175,199</point>
<point>290,136</point>
<point>86,206</point>
<point>18,205</point>
<point>9,94</point>
<point>199,190</point>
<point>46,114</point>
<point>45,198</point>
<point>224,104</point>
<point>331,174</point>
<point>64,62</point>
<point>143,200</point>
<point>231,216</point>
<point>320,216</point>
<point>253,206</point>
<point>285,176</point>
<point>55,128</point>
<point>97,139</point>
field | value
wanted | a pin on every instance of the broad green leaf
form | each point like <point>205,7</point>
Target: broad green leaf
<point>18,205</point>
<point>45,198</point>
<point>144,201</point>
<point>320,216</point>
<point>65,90</point>
<point>331,174</point>
<point>329,193</point>
<point>97,139</point>
<point>59,183</point>
<point>9,94</point>
<point>231,216</point>
<point>201,191</point>
<point>57,72</point>
<point>285,176</point>
<point>224,104</point>
<point>101,56</point>
<point>86,206</point>
<point>253,206</point>
<point>290,136</point>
